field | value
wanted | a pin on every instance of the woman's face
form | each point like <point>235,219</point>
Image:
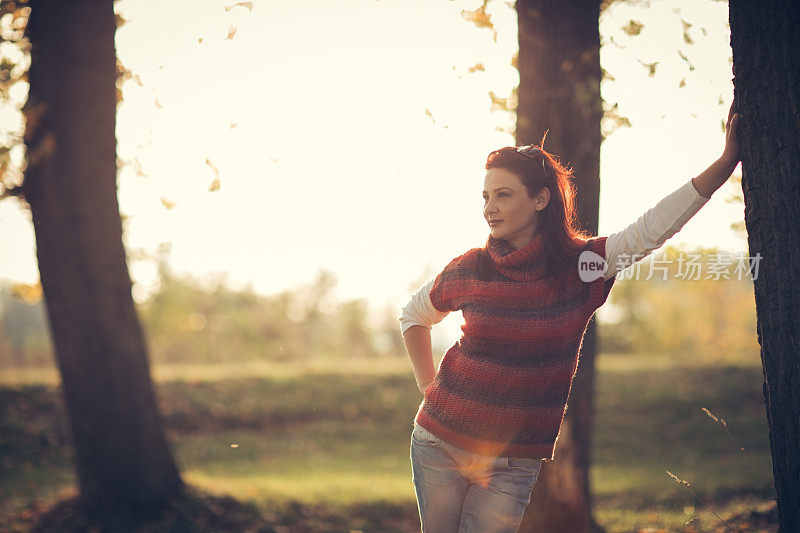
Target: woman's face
<point>512,215</point>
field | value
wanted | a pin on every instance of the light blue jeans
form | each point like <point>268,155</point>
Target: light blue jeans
<point>459,491</point>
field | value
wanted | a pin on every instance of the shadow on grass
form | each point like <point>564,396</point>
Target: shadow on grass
<point>201,511</point>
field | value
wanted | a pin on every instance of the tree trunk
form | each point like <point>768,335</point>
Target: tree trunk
<point>124,466</point>
<point>765,38</point>
<point>559,91</point>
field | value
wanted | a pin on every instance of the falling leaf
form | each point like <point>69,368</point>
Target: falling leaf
<point>28,293</point>
<point>168,204</point>
<point>505,104</point>
<point>685,58</point>
<point>614,116</point>
<point>634,27</point>
<point>233,124</point>
<point>133,163</point>
<point>428,112</point>
<point>158,104</point>
<point>231,31</point>
<point>686,25</point>
<point>650,66</point>
<point>477,67</point>
<point>214,185</point>
<point>199,40</point>
<point>480,18</point>
<point>682,83</point>
<point>210,164</point>
<point>248,5</point>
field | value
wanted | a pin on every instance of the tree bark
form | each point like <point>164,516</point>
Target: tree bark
<point>765,39</point>
<point>124,466</point>
<point>559,91</point>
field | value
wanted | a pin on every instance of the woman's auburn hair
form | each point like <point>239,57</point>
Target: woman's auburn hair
<point>563,239</point>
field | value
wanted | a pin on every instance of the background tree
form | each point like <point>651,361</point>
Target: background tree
<point>124,465</point>
<point>765,38</point>
<point>559,90</point>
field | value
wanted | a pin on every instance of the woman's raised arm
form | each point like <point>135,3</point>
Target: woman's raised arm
<point>653,228</point>
<point>669,215</point>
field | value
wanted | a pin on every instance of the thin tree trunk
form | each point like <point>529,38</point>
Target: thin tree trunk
<point>124,466</point>
<point>765,38</point>
<point>559,91</point>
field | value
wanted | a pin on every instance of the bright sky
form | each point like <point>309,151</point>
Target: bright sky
<point>314,114</point>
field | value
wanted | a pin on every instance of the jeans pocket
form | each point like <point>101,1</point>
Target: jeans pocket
<point>423,436</point>
<point>524,463</point>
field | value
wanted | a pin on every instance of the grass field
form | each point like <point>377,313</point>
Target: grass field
<point>335,435</point>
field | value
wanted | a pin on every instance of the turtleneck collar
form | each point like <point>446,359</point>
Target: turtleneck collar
<point>523,264</point>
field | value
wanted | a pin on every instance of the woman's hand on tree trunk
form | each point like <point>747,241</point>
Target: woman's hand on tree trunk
<point>731,151</point>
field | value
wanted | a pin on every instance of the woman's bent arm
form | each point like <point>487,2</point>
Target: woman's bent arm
<point>420,310</point>
<point>418,345</point>
<point>416,320</point>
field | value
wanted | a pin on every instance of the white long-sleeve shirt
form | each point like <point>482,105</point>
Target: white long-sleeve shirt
<point>635,242</point>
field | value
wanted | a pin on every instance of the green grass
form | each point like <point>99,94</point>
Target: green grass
<point>329,462</point>
<point>337,434</point>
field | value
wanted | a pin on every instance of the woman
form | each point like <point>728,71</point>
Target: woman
<point>493,411</point>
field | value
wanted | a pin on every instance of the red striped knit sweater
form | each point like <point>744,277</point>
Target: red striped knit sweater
<point>502,388</point>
